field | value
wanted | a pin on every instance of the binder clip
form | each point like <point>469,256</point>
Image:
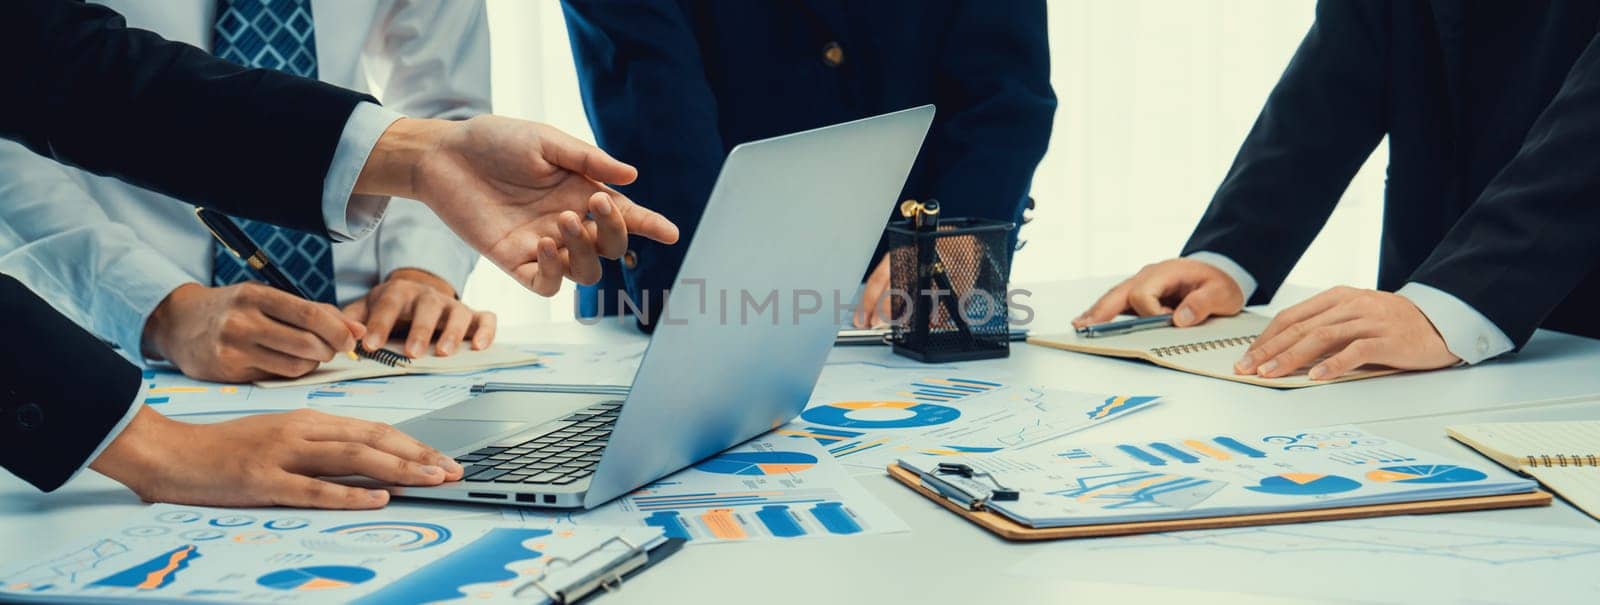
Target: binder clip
<point>948,285</point>
<point>607,576</point>
<point>1000,493</point>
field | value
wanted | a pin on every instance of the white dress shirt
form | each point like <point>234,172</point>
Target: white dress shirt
<point>1466,332</point>
<point>106,253</point>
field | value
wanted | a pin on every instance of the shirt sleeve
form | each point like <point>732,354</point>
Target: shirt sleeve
<point>1246,282</point>
<point>1466,332</point>
<point>350,216</point>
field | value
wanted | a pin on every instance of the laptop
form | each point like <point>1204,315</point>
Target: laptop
<point>781,248</point>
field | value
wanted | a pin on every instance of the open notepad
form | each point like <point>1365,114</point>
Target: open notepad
<point>1209,349</point>
<point>1564,456</point>
<point>466,360</point>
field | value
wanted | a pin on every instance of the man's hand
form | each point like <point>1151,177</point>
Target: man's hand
<point>1197,290</point>
<point>245,332</point>
<point>1350,327</point>
<point>268,460</point>
<point>426,305</point>
<point>874,309</point>
<point>532,199</point>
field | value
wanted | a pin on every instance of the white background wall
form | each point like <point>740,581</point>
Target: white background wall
<point>1155,97</point>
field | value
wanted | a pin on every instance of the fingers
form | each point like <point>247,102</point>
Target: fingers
<point>425,313</point>
<point>1145,297</point>
<point>277,363</point>
<point>610,230</point>
<point>1212,298</point>
<point>345,458</point>
<point>568,152</point>
<point>1309,346</point>
<point>458,319</point>
<point>383,438</point>
<point>293,342</point>
<point>1108,307</point>
<point>873,307</point>
<point>1293,315</point>
<point>483,333</point>
<point>584,263</point>
<point>299,491</point>
<point>544,275</point>
<point>322,320</point>
<point>645,222</point>
<point>1356,354</point>
<point>384,313</point>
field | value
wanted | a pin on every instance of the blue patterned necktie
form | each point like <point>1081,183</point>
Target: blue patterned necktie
<point>273,34</point>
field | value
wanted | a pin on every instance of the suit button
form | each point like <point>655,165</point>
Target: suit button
<point>833,54</point>
<point>630,259</point>
<point>29,416</point>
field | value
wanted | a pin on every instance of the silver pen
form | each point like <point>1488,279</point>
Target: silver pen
<point>1126,326</point>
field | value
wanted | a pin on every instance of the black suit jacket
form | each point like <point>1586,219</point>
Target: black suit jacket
<point>672,86</point>
<point>1492,110</point>
<point>83,89</point>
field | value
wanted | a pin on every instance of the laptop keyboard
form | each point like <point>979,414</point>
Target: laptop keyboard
<point>569,451</point>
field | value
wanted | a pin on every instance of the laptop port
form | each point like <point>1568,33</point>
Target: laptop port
<point>486,495</point>
<point>534,498</point>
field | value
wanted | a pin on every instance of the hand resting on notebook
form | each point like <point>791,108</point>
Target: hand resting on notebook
<point>1334,332</point>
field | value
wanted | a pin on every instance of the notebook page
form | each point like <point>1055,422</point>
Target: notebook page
<point>1578,484</point>
<point>1520,440</point>
<point>1217,328</point>
<point>463,360</point>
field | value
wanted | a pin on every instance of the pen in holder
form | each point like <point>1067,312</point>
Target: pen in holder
<point>948,279</point>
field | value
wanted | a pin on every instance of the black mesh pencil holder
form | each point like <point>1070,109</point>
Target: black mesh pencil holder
<point>948,296</point>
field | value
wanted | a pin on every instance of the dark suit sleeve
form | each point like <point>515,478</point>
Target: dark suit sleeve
<point>648,101</point>
<point>85,90</point>
<point>995,111</point>
<point>63,390</point>
<point>1320,123</point>
<point>1534,233</point>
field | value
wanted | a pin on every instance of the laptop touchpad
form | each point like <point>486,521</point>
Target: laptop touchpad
<point>447,435</point>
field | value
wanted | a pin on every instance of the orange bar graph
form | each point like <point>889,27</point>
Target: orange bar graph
<point>1205,448</point>
<point>723,524</point>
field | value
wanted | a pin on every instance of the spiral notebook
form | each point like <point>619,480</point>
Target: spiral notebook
<point>464,360</point>
<point>1564,456</point>
<point>1209,349</point>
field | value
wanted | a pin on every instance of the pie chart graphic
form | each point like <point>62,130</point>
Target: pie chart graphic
<point>1304,484</point>
<point>1426,473</point>
<point>326,577</point>
<point>758,463</point>
<point>880,414</point>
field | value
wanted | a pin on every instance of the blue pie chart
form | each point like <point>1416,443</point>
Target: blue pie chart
<point>1304,484</point>
<point>880,414</point>
<point>1427,473</point>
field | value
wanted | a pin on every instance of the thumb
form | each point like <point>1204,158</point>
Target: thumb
<point>567,151</point>
<point>1206,301</point>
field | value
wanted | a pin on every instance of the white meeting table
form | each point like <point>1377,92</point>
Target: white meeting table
<point>943,559</point>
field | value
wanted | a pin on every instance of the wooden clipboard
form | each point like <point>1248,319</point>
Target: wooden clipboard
<point>1011,530</point>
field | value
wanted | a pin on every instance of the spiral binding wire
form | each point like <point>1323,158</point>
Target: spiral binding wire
<point>1206,345</point>
<point>1546,460</point>
<point>384,356</point>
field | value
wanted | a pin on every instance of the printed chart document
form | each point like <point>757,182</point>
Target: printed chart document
<point>1213,475</point>
<point>167,553</point>
<point>179,396</point>
<point>1209,349</point>
<point>1564,456</point>
<point>772,488</point>
<point>1435,559</point>
<point>867,415</point>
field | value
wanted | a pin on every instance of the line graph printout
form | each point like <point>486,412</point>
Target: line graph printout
<point>1422,559</point>
<point>169,553</point>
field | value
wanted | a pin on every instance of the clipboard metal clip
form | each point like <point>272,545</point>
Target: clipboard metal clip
<point>971,496</point>
<point>607,577</point>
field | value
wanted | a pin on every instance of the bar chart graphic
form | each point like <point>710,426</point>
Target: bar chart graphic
<point>325,577</point>
<point>1189,451</point>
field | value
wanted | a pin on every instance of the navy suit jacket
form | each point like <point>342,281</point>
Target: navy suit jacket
<point>82,88</point>
<point>672,85</point>
<point>1492,110</point>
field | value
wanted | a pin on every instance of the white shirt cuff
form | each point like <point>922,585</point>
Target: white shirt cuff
<point>127,417</point>
<point>1467,333</point>
<point>350,216</point>
<point>1246,282</point>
